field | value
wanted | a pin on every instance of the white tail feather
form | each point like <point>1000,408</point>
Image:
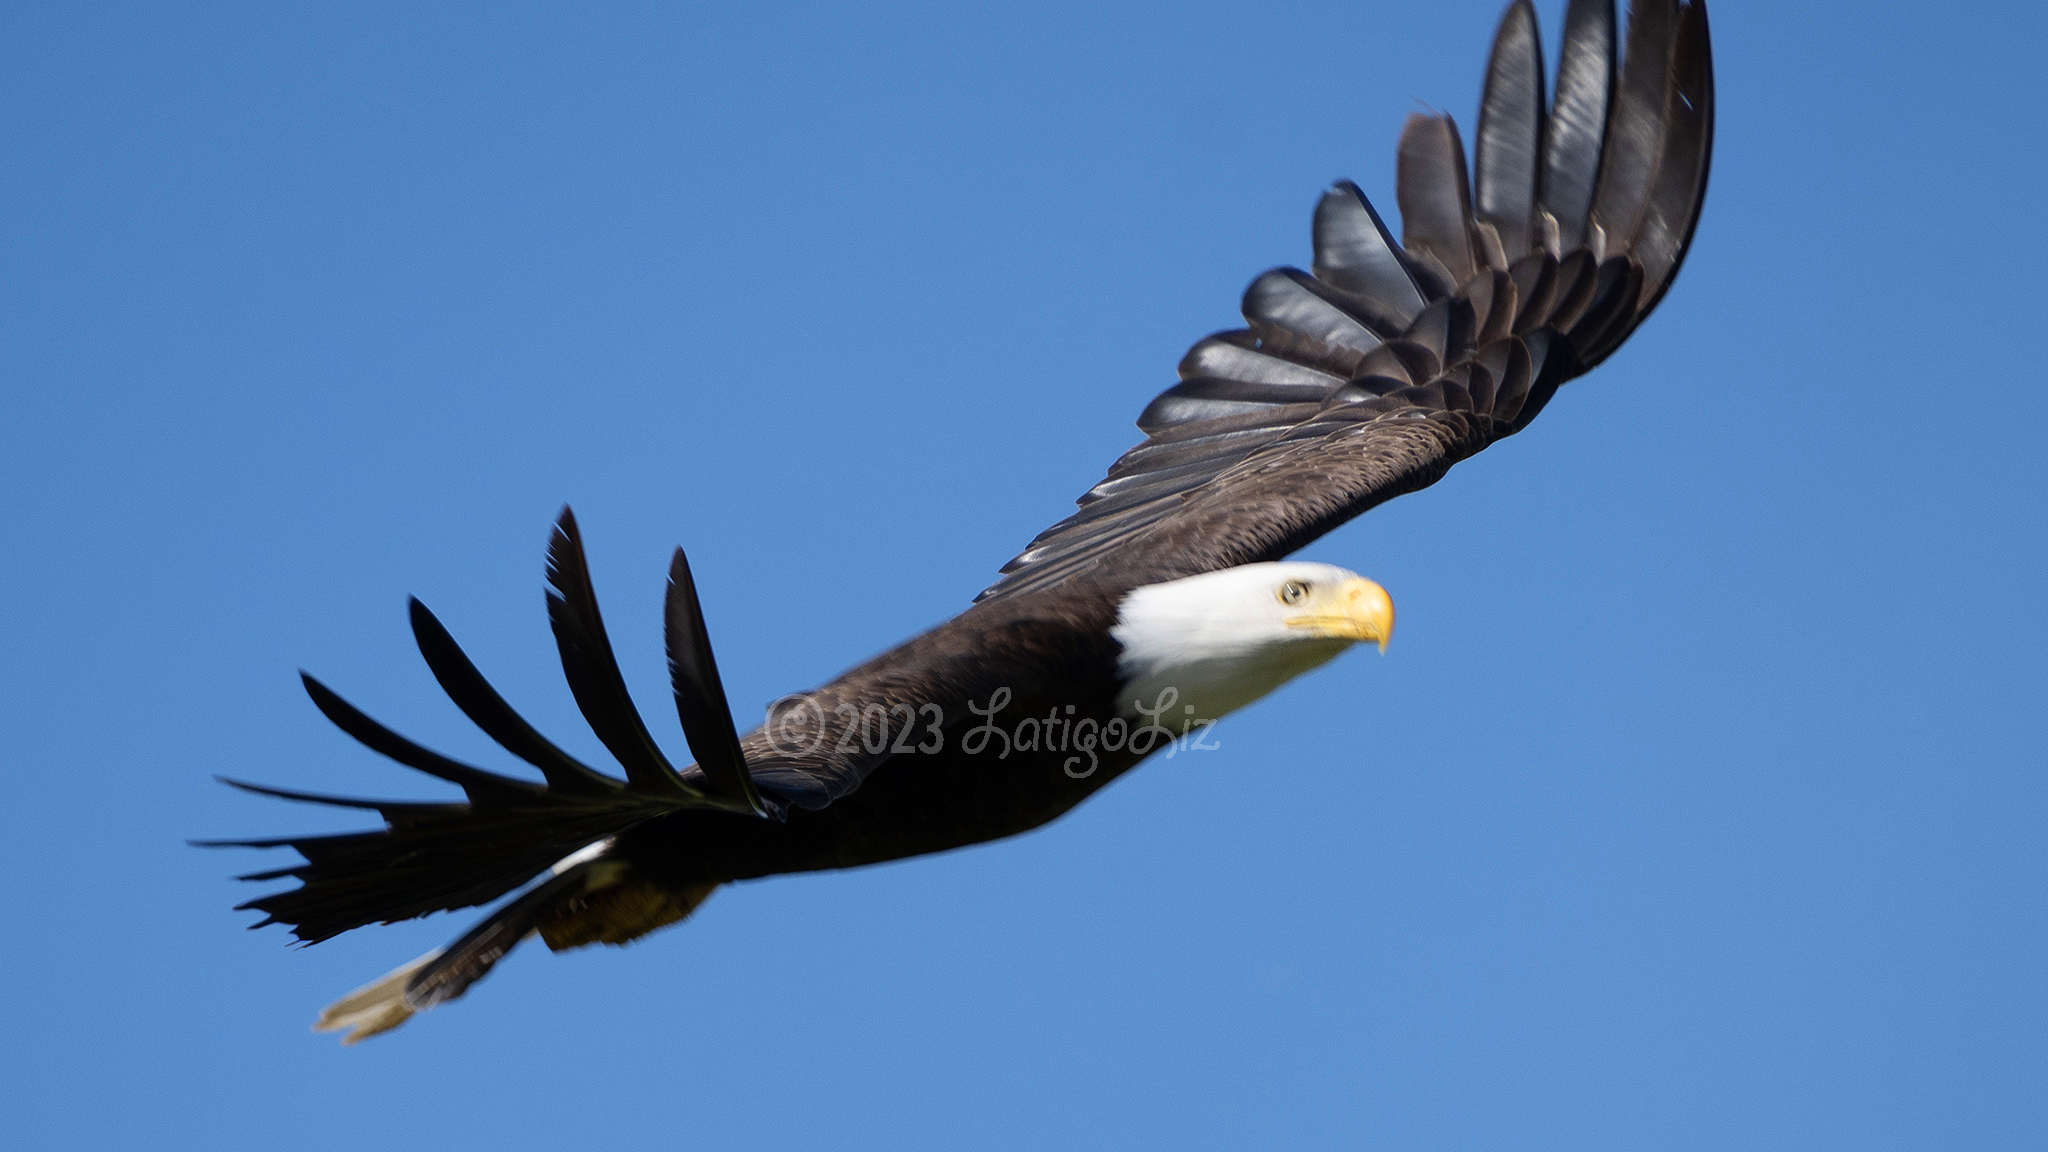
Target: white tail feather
<point>376,1007</point>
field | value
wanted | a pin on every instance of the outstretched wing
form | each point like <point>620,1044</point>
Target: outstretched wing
<point>1388,363</point>
<point>434,857</point>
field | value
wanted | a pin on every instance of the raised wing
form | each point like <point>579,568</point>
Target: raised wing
<point>1374,373</point>
<point>441,856</point>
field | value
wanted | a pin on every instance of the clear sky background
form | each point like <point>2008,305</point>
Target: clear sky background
<point>1699,803</point>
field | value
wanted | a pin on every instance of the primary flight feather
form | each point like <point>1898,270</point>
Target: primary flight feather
<point>1162,603</point>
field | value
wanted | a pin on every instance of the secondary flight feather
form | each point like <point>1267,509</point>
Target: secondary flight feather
<point>1162,603</point>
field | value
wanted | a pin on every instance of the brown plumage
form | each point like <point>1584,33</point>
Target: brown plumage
<point>1366,378</point>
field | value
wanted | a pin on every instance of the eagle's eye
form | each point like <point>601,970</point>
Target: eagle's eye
<point>1293,592</point>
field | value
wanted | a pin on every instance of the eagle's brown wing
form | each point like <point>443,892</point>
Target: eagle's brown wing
<point>1372,375</point>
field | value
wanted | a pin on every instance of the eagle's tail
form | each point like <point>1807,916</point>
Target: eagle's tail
<point>588,901</point>
<point>434,857</point>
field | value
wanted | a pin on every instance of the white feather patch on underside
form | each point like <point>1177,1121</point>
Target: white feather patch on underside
<point>589,851</point>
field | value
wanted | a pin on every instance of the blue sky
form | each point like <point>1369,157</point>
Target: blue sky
<point>1698,803</point>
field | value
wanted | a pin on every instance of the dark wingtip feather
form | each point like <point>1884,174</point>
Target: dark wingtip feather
<point>1296,319</point>
<point>484,788</point>
<point>385,807</point>
<point>593,671</point>
<point>565,545</point>
<point>1673,213</point>
<point>1635,125</point>
<point>488,710</point>
<point>1434,195</point>
<point>1508,147</point>
<point>1356,252</point>
<point>1578,119</point>
<point>700,693</point>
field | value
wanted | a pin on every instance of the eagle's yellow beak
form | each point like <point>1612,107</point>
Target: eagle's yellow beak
<point>1356,609</point>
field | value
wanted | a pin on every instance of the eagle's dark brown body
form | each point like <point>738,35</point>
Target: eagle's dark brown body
<point>966,790</point>
<point>1363,378</point>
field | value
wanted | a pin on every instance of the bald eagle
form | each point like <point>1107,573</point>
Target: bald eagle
<point>1162,603</point>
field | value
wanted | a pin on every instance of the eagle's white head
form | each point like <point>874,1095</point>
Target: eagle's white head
<point>1223,639</point>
